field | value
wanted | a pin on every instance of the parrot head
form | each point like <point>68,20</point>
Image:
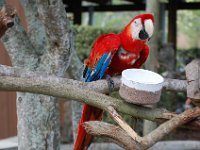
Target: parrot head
<point>140,27</point>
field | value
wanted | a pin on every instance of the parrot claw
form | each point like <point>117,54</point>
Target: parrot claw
<point>110,83</point>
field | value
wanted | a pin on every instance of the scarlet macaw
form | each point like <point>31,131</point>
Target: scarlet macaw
<point>110,55</point>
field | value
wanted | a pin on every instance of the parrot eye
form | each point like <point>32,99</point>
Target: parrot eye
<point>136,23</point>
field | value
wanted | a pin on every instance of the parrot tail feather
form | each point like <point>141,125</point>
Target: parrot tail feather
<point>83,139</point>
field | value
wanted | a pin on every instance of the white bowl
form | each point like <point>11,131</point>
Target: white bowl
<point>141,86</point>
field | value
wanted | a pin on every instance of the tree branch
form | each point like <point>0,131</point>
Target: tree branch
<point>170,125</point>
<point>36,30</point>
<point>19,47</point>
<point>70,91</point>
<point>122,138</point>
<point>15,79</point>
<point>118,135</point>
<point>175,85</point>
<point>59,33</point>
<point>99,86</point>
<point>124,125</point>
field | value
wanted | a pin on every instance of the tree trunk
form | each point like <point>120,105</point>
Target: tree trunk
<point>74,71</point>
<point>152,6</point>
<point>44,47</point>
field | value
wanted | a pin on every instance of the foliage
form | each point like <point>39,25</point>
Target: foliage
<point>188,24</point>
<point>186,56</point>
<point>115,19</point>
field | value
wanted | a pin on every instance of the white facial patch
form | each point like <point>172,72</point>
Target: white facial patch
<point>148,24</point>
<point>130,57</point>
<point>136,28</point>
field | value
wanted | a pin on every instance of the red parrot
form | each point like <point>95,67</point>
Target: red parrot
<point>110,55</point>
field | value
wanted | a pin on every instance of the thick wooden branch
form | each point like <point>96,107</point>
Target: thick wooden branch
<point>124,125</point>
<point>12,79</point>
<point>175,85</point>
<point>19,47</point>
<point>70,91</point>
<point>117,134</point>
<point>59,33</point>
<point>170,125</point>
<point>123,138</point>
<point>82,92</point>
<point>99,86</point>
<point>193,76</point>
<point>35,28</point>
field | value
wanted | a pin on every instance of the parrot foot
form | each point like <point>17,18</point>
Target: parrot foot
<point>110,83</point>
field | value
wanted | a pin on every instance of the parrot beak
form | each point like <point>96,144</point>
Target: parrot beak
<point>147,30</point>
<point>148,27</point>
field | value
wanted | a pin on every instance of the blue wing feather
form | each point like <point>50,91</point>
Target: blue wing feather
<point>105,65</point>
<point>100,68</point>
<point>88,73</point>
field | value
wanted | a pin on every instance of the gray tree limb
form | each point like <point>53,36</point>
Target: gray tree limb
<point>100,86</point>
<point>173,85</point>
<point>117,134</point>
<point>124,140</point>
<point>76,90</point>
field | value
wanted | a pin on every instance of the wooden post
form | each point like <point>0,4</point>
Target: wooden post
<point>153,6</point>
<point>193,77</point>
<point>91,16</point>
<point>172,27</point>
<point>162,21</point>
<point>77,10</point>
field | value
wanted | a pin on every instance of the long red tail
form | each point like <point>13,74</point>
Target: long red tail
<point>83,139</point>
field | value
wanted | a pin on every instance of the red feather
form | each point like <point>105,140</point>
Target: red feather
<point>104,44</point>
<point>83,139</point>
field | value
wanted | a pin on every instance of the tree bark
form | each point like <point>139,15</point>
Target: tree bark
<point>15,79</point>
<point>44,47</point>
<point>100,86</point>
<point>115,132</point>
<point>122,138</point>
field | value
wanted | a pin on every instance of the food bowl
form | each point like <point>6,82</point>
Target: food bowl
<point>141,86</point>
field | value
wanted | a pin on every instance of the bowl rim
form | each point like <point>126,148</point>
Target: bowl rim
<point>147,83</point>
